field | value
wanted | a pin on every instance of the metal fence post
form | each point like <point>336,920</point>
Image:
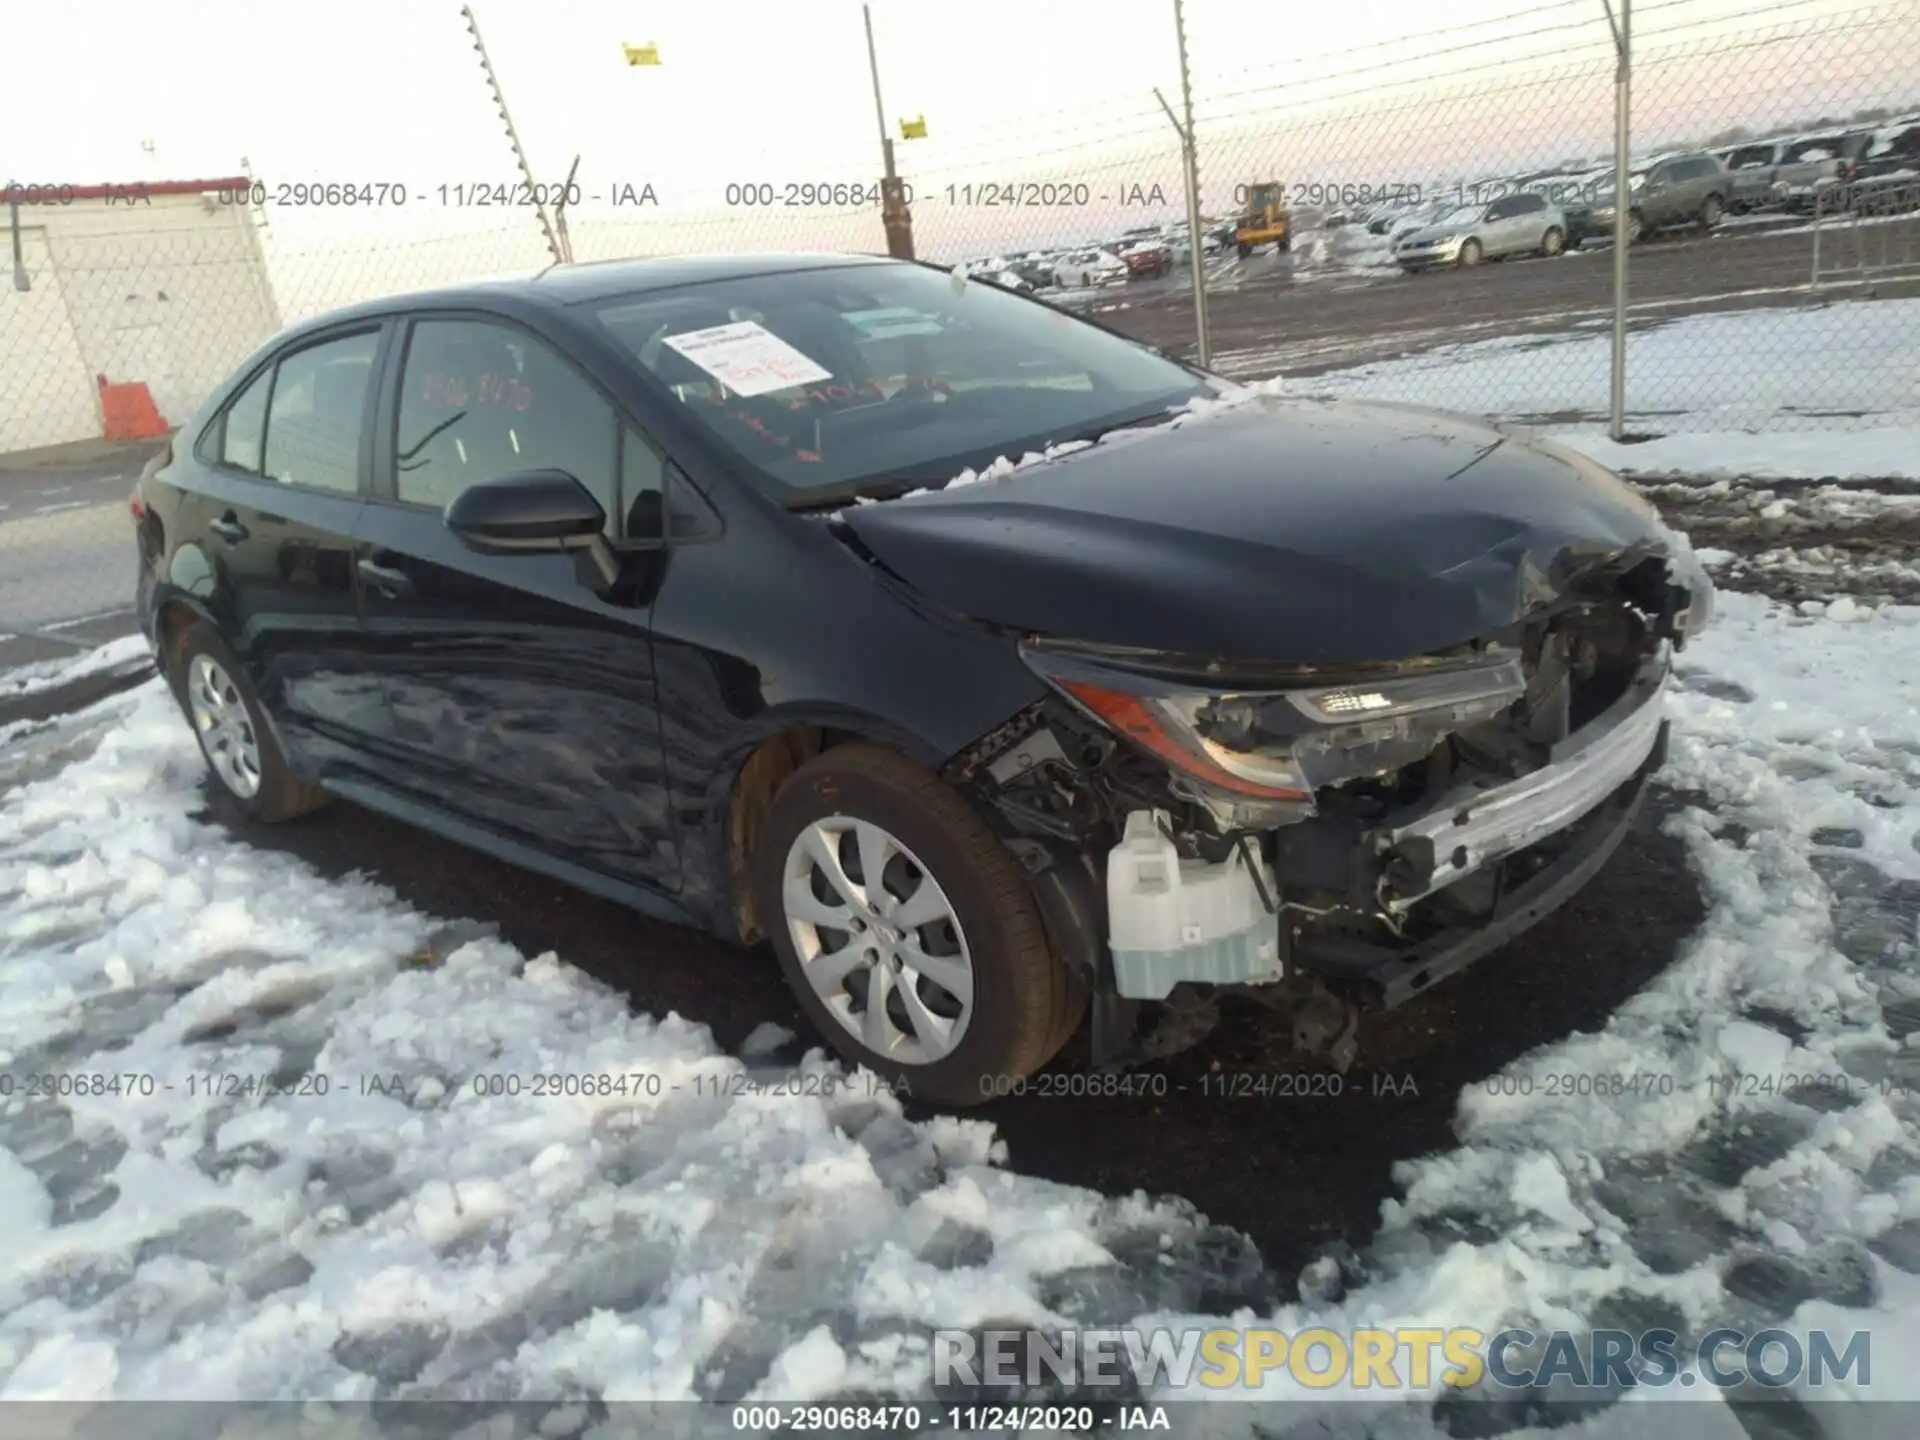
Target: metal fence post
<point>1622,197</point>
<point>1190,146</point>
<point>896,213</point>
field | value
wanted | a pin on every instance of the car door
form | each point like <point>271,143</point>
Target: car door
<point>520,700</point>
<point>1497,229</point>
<point>282,482</point>
<point>1529,223</point>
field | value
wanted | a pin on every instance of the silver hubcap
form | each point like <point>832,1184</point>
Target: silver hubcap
<point>226,730</point>
<point>878,940</point>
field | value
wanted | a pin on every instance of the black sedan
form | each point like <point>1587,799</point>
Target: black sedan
<point>992,666</point>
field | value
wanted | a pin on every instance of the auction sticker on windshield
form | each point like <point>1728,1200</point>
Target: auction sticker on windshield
<point>747,358</point>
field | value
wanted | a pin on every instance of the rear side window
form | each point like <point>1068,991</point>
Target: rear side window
<point>317,415</point>
<point>245,430</point>
<point>480,400</point>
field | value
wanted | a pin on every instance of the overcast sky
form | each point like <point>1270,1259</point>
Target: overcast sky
<point>751,91</point>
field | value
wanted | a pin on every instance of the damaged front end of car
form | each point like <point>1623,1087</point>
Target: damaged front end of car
<point>1333,839</point>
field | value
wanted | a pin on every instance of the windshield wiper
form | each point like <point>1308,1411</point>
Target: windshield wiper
<point>836,496</point>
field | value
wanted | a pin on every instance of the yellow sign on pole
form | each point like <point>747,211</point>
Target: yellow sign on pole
<point>647,54</point>
<point>914,129</point>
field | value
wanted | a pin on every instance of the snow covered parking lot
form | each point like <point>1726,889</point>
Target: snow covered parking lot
<point>407,1235</point>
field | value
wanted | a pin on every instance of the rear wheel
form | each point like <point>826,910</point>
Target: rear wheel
<point>1554,241</point>
<point>227,720</point>
<point>907,931</point>
<point>1471,253</point>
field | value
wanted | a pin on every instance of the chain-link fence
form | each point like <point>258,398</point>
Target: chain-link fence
<point>1426,217</point>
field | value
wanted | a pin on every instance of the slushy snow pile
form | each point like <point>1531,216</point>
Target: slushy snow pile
<point>407,1235</point>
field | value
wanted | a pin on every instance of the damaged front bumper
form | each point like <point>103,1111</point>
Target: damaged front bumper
<point>1465,829</point>
<point>1523,846</point>
<point>1384,977</point>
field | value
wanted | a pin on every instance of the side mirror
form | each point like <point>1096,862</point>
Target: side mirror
<point>537,510</point>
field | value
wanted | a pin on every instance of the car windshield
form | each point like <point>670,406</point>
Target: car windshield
<point>876,378</point>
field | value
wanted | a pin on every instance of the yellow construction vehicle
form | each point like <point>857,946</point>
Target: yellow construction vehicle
<point>1263,217</point>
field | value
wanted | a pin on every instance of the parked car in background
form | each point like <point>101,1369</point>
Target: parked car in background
<point>1147,260</point>
<point>1751,172</point>
<point>1090,267</point>
<point>1523,224</point>
<point>1040,274</point>
<point>1811,168</point>
<point>1887,178</point>
<point>571,570</point>
<point>1687,189</point>
<point>1008,279</point>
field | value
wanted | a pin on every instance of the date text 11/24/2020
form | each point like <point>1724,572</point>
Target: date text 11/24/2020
<point>449,195</point>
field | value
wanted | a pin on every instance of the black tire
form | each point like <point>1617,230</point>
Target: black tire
<point>1025,1006</point>
<point>1636,228</point>
<point>1471,253</point>
<point>1245,250</point>
<point>1710,212</point>
<point>1553,242</point>
<point>280,795</point>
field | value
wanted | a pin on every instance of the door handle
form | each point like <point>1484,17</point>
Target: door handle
<point>229,528</point>
<point>385,578</point>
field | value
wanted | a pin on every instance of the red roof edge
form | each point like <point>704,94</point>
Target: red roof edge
<point>132,191</point>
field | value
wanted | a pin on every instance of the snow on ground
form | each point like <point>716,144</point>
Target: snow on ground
<point>1850,371</point>
<point>1876,453</point>
<point>50,674</point>
<point>406,1235</point>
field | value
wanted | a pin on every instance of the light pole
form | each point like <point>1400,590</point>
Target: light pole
<point>1622,206</point>
<point>895,213</point>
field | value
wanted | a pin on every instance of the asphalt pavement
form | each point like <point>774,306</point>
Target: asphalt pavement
<point>66,549</point>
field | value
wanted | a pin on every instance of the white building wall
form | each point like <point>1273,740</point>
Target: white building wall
<point>171,293</point>
<point>46,391</point>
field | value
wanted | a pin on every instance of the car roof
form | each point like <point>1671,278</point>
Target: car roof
<point>562,286</point>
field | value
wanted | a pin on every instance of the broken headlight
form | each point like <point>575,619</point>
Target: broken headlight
<point>1283,742</point>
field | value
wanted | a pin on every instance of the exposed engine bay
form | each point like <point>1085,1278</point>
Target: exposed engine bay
<point>1332,839</point>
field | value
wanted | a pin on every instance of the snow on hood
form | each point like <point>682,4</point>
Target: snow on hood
<point>1233,395</point>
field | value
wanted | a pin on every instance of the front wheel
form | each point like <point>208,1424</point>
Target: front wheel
<point>1636,228</point>
<point>1245,250</point>
<point>1471,253</point>
<point>906,930</point>
<point>1710,212</point>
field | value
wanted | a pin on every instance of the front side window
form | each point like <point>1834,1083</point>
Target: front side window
<point>317,416</point>
<point>835,379</point>
<point>481,400</point>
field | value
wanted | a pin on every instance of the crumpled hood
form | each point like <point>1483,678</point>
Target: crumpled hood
<point>1283,529</point>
